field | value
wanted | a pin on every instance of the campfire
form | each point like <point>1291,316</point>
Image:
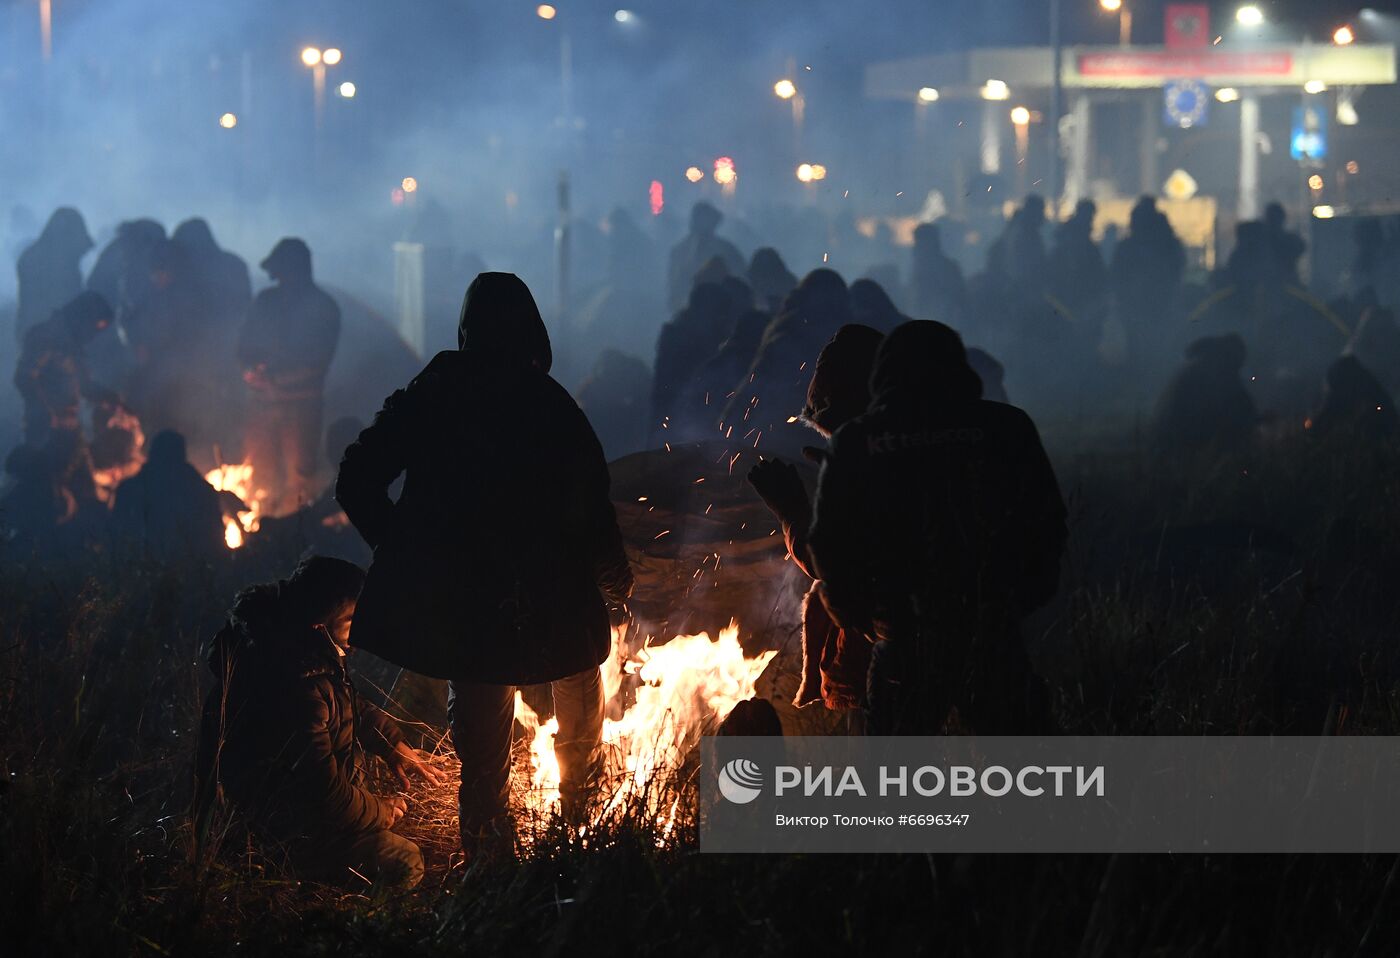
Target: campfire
<point>238,481</point>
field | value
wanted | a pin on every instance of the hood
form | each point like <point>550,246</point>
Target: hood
<point>67,232</point>
<point>257,634</point>
<point>289,259</point>
<point>195,236</point>
<point>923,362</point>
<point>840,387</point>
<point>500,324</point>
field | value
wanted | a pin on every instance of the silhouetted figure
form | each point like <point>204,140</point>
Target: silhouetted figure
<point>698,247</point>
<point>763,412</point>
<point>1018,255</point>
<point>938,526</point>
<point>167,510</point>
<point>1205,408</point>
<point>285,732</point>
<point>1376,342</point>
<point>122,272</point>
<point>615,397</point>
<point>52,374</point>
<point>632,262</point>
<point>991,372</point>
<point>497,566</point>
<point>285,349</point>
<point>1287,247</point>
<point>223,276</point>
<point>714,383</point>
<point>1355,405</point>
<point>936,280</point>
<point>834,662</point>
<point>34,505</point>
<point>1146,273</point>
<point>683,345</point>
<point>871,306</point>
<point>48,270</point>
<point>1078,277</point>
<point>770,279</point>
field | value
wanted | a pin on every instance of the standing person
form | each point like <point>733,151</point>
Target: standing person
<point>285,733</point>
<point>497,566</point>
<point>52,374</point>
<point>939,525</point>
<point>285,349</point>
<point>697,248</point>
<point>48,270</point>
<point>936,279</point>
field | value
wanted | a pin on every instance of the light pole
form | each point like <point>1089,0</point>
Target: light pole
<point>786,89</point>
<point>46,29</point>
<point>1125,19</point>
<point>1057,99</point>
<point>1021,120</point>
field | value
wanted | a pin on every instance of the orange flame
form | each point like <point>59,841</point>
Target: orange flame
<point>238,479</point>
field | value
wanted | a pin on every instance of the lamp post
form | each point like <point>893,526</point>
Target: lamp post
<point>786,89</point>
<point>1125,19</point>
<point>1057,99</point>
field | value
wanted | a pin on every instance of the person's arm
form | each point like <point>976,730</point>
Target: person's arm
<point>377,733</point>
<point>835,543</point>
<point>320,790</point>
<point>1046,525</point>
<point>592,516</point>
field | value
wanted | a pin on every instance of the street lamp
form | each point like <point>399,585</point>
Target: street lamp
<point>1314,87</point>
<point>1344,36</point>
<point>311,56</point>
<point>546,12</point>
<point>1249,16</point>
<point>1125,19</point>
<point>1020,116</point>
<point>1227,94</point>
<point>347,90</point>
<point>785,89</point>
<point>228,121</point>
<point>331,57</point>
<point>996,90</point>
<point>928,94</point>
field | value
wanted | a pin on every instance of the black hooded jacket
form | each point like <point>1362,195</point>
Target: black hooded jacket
<point>283,728</point>
<point>936,503</point>
<point>499,559</point>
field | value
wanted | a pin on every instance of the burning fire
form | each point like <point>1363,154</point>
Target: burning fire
<point>238,479</point>
<point>666,697</point>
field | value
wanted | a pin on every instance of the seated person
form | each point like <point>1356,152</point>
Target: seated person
<point>284,731</point>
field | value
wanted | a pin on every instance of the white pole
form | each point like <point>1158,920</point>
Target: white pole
<point>1249,157</point>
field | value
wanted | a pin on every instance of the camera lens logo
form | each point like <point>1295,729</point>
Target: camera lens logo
<point>740,781</point>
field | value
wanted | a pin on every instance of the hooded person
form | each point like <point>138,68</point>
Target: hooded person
<point>713,384</point>
<point>48,270</point>
<point>770,279</point>
<point>764,410</point>
<point>696,249</point>
<point>1355,404</point>
<point>614,397</point>
<point>936,281</point>
<point>286,735</point>
<point>285,349</point>
<point>1376,343</point>
<point>167,509</point>
<point>834,661</point>
<point>500,561</point>
<point>682,346</point>
<point>1205,408</point>
<point>52,374</point>
<point>221,274</point>
<point>871,306</point>
<point>938,525</point>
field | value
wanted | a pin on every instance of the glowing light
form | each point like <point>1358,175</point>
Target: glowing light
<point>347,90</point>
<point>1323,212</point>
<point>546,12</point>
<point>785,89</point>
<point>725,173</point>
<point>1021,116</point>
<point>1315,182</point>
<point>1227,94</point>
<point>311,56</point>
<point>228,121</point>
<point>1353,167</point>
<point>928,94</point>
<point>1344,36</point>
<point>656,193</point>
<point>238,479</point>
<point>1346,111</point>
<point>1112,6</point>
<point>996,90</point>
<point>1314,87</point>
<point>804,173</point>
<point>694,174</point>
<point>396,196</point>
<point>409,184</point>
<point>1249,16</point>
<point>818,171</point>
<point>623,16</point>
<point>331,57</point>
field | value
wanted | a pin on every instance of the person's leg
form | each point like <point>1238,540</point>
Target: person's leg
<point>481,717</point>
<point>262,448</point>
<point>380,857</point>
<point>301,448</point>
<point>578,705</point>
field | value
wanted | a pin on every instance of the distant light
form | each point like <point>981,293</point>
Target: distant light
<point>656,194</point>
<point>1314,86</point>
<point>1346,111</point>
<point>1353,167</point>
<point>1315,182</point>
<point>694,174</point>
<point>545,12</point>
<point>1249,16</point>
<point>347,90</point>
<point>1324,212</point>
<point>1021,116</point>
<point>396,196</point>
<point>409,184</point>
<point>928,94</point>
<point>1112,6</point>
<point>331,57</point>
<point>725,173</point>
<point>804,173</point>
<point>785,89</point>
<point>623,16</point>
<point>996,90</point>
<point>1227,94</point>
<point>228,121</point>
<point>1344,36</point>
<point>818,171</point>
<point>311,56</point>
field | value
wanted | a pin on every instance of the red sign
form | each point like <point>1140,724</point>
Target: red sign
<point>1185,64</point>
<point>1188,26</point>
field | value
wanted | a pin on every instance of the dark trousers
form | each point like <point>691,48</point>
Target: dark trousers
<point>482,718</point>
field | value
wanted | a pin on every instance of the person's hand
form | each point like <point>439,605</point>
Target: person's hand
<point>407,761</point>
<point>815,454</point>
<point>398,807</point>
<point>779,486</point>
